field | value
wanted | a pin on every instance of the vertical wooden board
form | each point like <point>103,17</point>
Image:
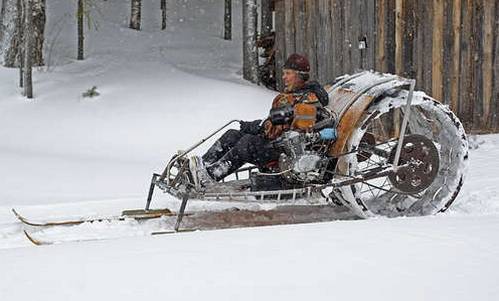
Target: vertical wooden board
<point>478,51</point>
<point>318,35</point>
<point>466,94</point>
<point>289,27</point>
<point>352,22</point>
<point>399,36</point>
<point>299,25</point>
<point>371,33</point>
<point>346,38</point>
<point>338,36</point>
<point>455,78</point>
<point>311,16</point>
<point>280,40</point>
<point>437,49</point>
<point>447,51</point>
<point>329,42</point>
<point>495,94</point>
<point>427,46</point>
<point>408,38</point>
<point>362,33</point>
<point>323,38</point>
<point>419,51</point>
<point>390,36</point>
<point>488,62</point>
<point>380,60</point>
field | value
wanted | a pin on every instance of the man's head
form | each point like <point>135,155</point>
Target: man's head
<point>295,72</point>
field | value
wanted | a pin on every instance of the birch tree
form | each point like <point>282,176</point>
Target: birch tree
<point>11,32</point>
<point>250,53</point>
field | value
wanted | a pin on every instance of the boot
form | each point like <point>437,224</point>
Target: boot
<point>200,175</point>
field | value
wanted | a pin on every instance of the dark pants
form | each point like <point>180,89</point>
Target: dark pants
<point>234,149</point>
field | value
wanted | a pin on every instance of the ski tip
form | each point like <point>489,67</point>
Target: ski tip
<point>15,212</point>
<point>32,239</point>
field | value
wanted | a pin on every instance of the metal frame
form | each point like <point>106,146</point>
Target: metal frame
<point>274,196</point>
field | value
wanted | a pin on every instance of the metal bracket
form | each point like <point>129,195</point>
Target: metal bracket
<point>404,124</point>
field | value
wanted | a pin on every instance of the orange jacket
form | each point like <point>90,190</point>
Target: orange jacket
<point>305,110</point>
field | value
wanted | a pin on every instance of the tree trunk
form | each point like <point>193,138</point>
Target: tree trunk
<point>81,35</point>
<point>2,14</point>
<point>10,33</point>
<point>135,14</point>
<point>267,20</point>
<point>39,18</point>
<point>228,20</point>
<point>28,37</point>
<point>250,53</point>
<point>20,52</point>
<point>163,14</point>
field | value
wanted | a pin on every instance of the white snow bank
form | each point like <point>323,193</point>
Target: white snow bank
<point>438,258</point>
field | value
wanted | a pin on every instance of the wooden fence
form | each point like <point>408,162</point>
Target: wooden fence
<point>451,47</point>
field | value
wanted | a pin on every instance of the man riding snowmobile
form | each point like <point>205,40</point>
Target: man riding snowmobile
<point>298,108</point>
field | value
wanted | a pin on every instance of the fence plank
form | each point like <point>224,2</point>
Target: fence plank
<point>280,39</point>
<point>477,81</point>
<point>419,51</point>
<point>346,40</point>
<point>409,20</point>
<point>380,35</point>
<point>289,28</point>
<point>456,55</point>
<point>488,63</point>
<point>310,14</point>
<point>466,74</point>
<point>299,25</point>
<point>399,36</point>
<point>338,36</point>
<point>370,31</point>
<point>495,94</point>
<point>324,41</point>
<point>447,52</point>
<point>437,49</point>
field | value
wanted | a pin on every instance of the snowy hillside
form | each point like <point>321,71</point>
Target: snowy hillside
<point>65,155</point>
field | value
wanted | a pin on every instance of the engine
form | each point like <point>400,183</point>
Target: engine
<point>299,160</point>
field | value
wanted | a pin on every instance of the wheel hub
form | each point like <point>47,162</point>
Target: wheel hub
<point>418,164</point>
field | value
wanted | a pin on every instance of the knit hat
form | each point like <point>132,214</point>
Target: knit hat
<point>298,63</point>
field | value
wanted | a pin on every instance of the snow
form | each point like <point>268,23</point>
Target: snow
<point>63,155</point>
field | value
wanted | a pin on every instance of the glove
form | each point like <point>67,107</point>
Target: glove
<point>251,127</point>
<point>328,134</point>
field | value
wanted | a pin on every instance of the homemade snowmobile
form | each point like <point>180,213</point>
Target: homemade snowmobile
<point>397,152</point>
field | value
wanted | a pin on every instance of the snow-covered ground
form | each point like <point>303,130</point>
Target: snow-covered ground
<point>65,155</point>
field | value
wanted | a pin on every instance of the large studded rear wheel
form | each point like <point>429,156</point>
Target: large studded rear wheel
<point>434,153</point>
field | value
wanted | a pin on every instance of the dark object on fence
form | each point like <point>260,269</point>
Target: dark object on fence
<point>266,71</point>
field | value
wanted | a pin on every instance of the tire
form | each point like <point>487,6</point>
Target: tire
<point>428,118</point>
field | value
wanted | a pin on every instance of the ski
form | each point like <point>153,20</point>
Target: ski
<point>45,242</point>
<point>137,214</point>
